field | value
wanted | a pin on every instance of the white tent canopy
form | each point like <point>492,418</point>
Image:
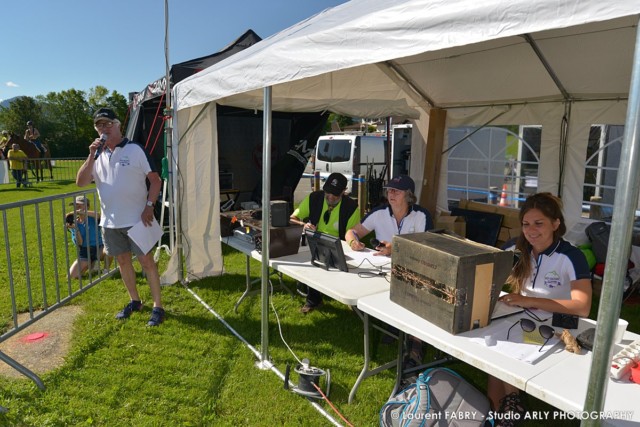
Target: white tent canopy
<point>455,53</point>
<point>371,58</point>
<point>541,62</point>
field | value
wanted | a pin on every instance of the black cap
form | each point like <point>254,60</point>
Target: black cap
<point>403,183</point>
<point>336,184</point>
<point>104,114</point>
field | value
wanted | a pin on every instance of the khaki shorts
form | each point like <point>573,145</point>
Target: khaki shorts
<point>118,242</point>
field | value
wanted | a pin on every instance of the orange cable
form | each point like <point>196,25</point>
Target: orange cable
<point>331,404</point>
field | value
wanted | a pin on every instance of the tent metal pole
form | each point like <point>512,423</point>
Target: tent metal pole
<point>547,66</point>
<point>625,202</point>
<point>266,213</point>
<point>168,125</point>
<point>479,128</point>
<point>172,188</point>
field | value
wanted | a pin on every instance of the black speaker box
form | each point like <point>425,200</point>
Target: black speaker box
<point>279,213</point>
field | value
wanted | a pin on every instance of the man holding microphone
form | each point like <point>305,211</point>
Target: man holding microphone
<point>120,169</point>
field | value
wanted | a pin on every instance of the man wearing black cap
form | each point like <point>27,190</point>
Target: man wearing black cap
<point>328,211</point>
<point>120,169</point>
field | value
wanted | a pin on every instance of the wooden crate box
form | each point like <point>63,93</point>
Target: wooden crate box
<point>453,283</point>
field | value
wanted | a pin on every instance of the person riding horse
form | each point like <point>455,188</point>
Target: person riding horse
<point>33,136</point>
<point>36,160</point>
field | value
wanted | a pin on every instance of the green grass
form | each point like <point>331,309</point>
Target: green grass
<point>40,250</point>
<point>191,371</point>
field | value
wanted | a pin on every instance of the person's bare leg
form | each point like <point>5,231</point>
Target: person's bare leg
<point>128,274</point>
<point>77,268</point>
<point>497,390</point>
<point>153,277</point>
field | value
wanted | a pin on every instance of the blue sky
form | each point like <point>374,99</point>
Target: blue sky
<point>55,45</point>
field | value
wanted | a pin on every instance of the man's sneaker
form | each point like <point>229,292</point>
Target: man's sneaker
<point>95,266</point>
<point>128,309</point>
<point>308,308</point>
<point>157,316</point>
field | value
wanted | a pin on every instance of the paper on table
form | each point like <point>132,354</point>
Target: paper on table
<point>515,347</point>
<point>365,259</point>
<point>145,237</point>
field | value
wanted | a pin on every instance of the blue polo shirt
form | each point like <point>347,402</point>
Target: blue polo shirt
<point>554,270</point>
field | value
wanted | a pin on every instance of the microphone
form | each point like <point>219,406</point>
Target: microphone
<point>103,139</point>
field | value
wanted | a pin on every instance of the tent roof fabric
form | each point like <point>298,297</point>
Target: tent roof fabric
<point>185,69</point>
<point>424,47</point>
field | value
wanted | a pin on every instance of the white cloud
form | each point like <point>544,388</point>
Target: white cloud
<point>12,84</point>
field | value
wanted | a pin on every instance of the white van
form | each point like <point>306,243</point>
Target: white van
<point>351,155</point>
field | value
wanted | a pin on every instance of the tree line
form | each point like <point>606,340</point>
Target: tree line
<point>64,119</point>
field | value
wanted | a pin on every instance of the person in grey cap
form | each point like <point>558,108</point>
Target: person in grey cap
<point>328,211</point>
<point>401,215</point>
<point>120,169</point>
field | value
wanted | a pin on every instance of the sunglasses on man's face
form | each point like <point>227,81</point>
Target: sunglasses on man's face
<point>103,125</point>
<point>529,325</point>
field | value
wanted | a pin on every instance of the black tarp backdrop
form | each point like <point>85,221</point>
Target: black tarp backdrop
<point>294,137</point>
<point>146,124</point>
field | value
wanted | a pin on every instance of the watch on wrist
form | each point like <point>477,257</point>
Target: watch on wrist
<point>149,203</point>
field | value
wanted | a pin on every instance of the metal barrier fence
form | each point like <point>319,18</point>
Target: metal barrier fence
<point>39,253</point>
<point>48,170</point>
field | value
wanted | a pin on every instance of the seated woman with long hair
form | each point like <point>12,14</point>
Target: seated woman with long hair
<point>551,275</point>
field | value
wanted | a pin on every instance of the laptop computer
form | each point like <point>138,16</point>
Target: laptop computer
<point>503,310</point>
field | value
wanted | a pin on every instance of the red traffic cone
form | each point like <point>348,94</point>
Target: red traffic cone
<point>503,196</point>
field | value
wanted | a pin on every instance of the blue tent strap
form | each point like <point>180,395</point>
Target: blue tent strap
<point>485,193</point>
<point>310,175</point>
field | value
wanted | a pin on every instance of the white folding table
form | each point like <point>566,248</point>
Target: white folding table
<point>558,378</point>
<point>565,384</point>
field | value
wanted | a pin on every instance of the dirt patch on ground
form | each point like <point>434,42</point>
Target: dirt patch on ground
<point>41,347</point>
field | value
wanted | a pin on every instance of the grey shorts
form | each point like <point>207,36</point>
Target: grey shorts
<point>117,242</point>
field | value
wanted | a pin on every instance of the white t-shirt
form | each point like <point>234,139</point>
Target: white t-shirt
<point>120,177</point>
<point>383,223</point>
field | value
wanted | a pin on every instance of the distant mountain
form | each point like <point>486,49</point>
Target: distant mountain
<point>5,103</point>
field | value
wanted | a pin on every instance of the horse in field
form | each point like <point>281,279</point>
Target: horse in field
<point>37,161</point>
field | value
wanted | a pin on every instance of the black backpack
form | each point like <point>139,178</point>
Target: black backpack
<point>598,233</point>
<point>438,397</point>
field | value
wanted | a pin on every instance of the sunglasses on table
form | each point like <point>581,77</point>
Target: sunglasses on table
<point>529,325</point>
<point>534,316</point>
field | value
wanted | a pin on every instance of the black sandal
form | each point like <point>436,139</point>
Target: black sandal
<point>511,411</point>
